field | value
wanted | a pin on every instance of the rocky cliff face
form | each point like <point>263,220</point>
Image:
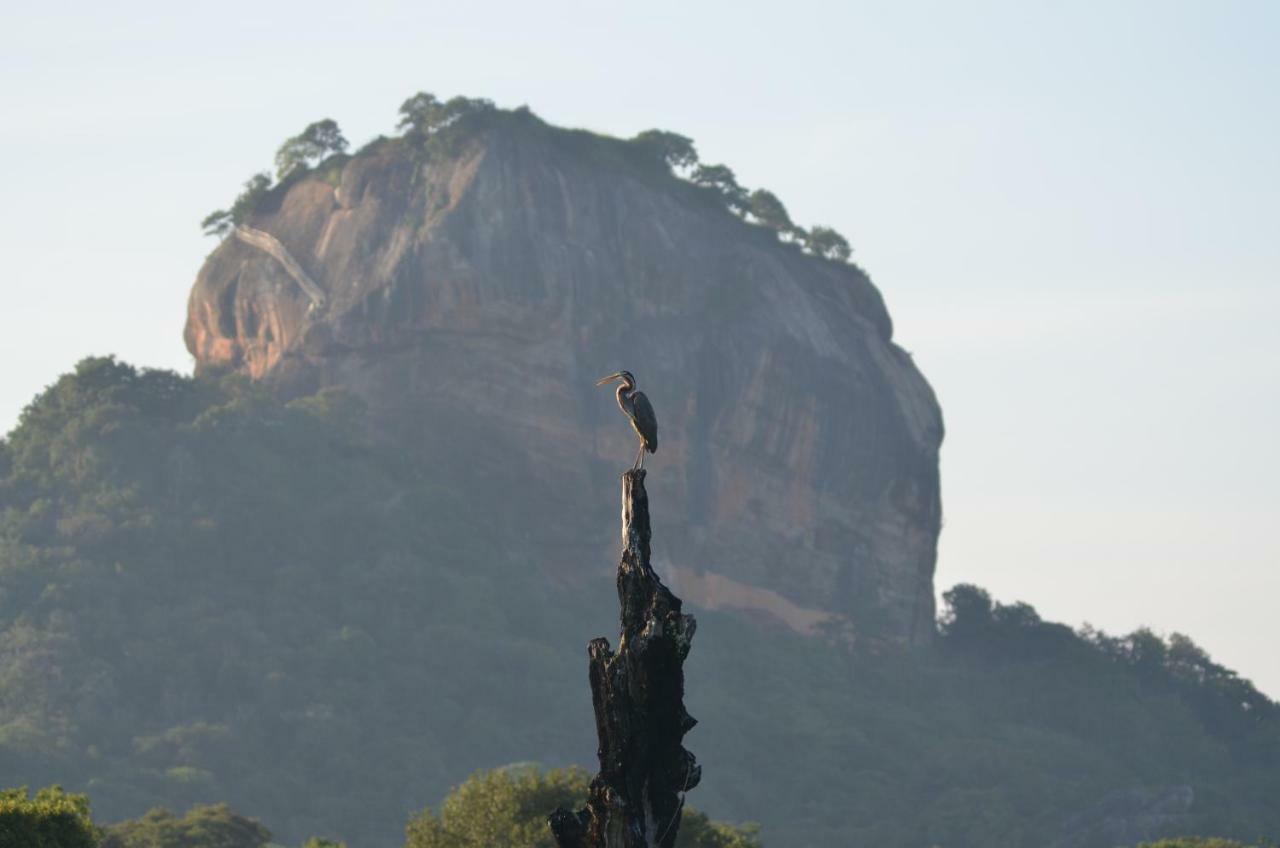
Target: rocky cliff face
<point>472,301</point>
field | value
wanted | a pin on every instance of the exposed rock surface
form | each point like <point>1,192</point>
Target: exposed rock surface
<point>473,300</point>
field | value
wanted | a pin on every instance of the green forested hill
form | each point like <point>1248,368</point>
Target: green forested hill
<point>207,595</point>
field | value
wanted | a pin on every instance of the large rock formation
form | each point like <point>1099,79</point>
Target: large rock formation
<point>473,299</point>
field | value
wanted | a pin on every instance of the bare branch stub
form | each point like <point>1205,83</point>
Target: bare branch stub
<point>636,799</point>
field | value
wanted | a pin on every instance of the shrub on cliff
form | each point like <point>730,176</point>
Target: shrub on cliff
<point>430,125</point>
<point>721,180</point>
<point>318,140</point>
<point>223,221</point>
<point>766,208</point>
<point>672,149</point>
<point>434,127</point>
<point>827,243</point>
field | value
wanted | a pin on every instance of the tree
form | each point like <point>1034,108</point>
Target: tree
<point>766,208</point>
<point>721,179</point>
<point>422,113</point>
<point>217,223</point>
<point>52,819</point>
<point>1016,616</point>
<point>1145,651</point>
<point>969,612</point>
<point>674,150</point>
<point>698,831</point>
<point>505,806</point>
<point>222,221</point>
<point>315,142</point>
<point>826,242</point>
<point>509,807</point>
<point>208,826</point>
<point>424,118</point>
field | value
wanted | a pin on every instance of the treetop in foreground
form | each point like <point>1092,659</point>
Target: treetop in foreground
<point>51,819</point>
<point>508,806</point>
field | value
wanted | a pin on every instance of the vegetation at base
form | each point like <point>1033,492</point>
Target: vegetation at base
<point>505,806</point>
<point>1237,714</point>
<point>52,819</point>
<point>509,806</point>
<point>203,826</point>
<point>208,594</point>
<point>56,819</point>
<point>433,127</point>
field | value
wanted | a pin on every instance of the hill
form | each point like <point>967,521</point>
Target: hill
<point>211,594</point>
<point>471,287</point>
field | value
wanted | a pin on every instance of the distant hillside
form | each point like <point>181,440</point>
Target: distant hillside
<point>208,594</point>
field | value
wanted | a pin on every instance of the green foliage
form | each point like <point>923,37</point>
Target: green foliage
<point>675,151</point>
<point>221,222</point>
<point>509,807</point>
<point>968,612</point>
<point>678,153</point>
<point>318,140</point>
<point>208,593</point>
<point>208,826</point>
<point>432,126</point>
<point>499,807</point>
<point>422,113</point>
<point>52,819</point>
<point>826,242</point>
<point>698,831</point>
<point>720,179</point>
<point>1227,706</point>
<point>766,208</point>
<point>217,223</point>
<point>317,842</point>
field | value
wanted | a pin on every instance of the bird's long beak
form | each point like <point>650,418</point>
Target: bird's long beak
<point>609,379</point>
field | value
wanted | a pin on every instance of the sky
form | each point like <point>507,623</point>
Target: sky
<point>1071,210</point>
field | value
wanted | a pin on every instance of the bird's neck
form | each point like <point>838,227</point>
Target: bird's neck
<point>624,394</point>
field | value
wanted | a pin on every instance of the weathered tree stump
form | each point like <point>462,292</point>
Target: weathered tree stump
<point>636,799</point>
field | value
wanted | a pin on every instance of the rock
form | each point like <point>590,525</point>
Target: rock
<point>473,300</point>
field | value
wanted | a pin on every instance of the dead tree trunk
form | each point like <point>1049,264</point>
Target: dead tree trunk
<point>636,799</point>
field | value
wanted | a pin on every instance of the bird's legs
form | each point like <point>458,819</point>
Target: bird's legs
<point>639,463</point>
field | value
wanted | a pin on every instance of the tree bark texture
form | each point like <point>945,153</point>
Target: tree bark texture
<point>636,799</point>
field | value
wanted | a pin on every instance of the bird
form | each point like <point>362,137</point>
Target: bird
<point>639,411</point>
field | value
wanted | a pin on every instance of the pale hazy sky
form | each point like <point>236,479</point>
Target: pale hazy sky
<point>1071,210</point>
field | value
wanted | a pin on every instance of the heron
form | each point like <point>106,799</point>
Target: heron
<point>639,412</point>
